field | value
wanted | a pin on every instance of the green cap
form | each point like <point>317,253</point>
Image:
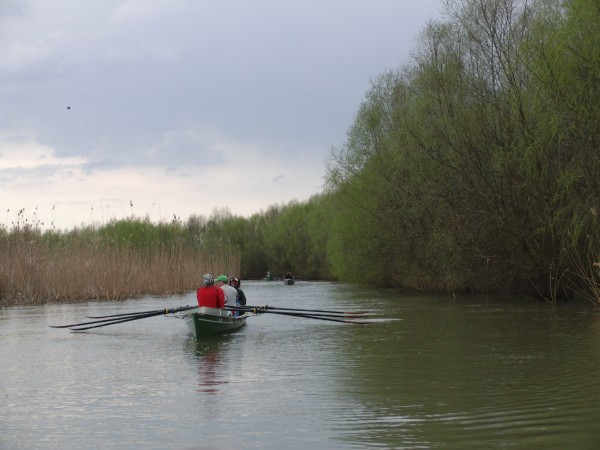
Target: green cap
<point>222,278</point>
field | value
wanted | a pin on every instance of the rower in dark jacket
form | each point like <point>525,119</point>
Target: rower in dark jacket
<point>235,282</point>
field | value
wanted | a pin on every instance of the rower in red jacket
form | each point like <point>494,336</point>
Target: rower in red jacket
<point>210,295</point>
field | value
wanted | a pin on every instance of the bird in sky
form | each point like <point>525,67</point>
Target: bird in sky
<point>68,107</point>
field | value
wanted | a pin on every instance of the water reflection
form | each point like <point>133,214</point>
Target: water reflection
<point>209,354</point>
<point>453,373</point>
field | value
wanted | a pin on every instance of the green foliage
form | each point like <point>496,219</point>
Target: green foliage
<point>291,237</point>
<point>476,166</point>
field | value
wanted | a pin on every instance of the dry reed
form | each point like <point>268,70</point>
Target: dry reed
<point>34,270</point>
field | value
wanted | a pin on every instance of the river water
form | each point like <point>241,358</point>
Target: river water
<point>469,373</point>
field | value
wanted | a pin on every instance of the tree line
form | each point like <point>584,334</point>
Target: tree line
<point>476,166</point>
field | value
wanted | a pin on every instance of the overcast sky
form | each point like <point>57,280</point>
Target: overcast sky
<point>182,106</point>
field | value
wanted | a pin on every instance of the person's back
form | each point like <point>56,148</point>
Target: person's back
<point>231,295</point>
<point>235,282</point>
<point>210,295</point>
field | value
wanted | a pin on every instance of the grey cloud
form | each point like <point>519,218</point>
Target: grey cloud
<point>285,77</point>
<point>12,8</point>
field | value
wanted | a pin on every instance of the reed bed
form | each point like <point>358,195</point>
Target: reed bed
<point>96,264</point>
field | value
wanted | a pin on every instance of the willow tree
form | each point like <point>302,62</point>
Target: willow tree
<point>473,89</point>
<point>563,54</point>
<point>380,220</point>
<point>452,175</point>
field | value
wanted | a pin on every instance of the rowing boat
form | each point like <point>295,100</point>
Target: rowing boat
<point>203,321</point>
<point>289,281</point>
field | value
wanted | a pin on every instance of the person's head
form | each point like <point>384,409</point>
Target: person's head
<point>221,280</point>
<point>234,281</point>
<point>208,280</point>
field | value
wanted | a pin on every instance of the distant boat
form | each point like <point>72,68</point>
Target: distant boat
<point>289,281</point>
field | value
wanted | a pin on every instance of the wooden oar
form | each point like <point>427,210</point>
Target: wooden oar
<point>112,322</point>
<point>126,318</point>
<point>310,311</point>
<point>304,315</point>
<point>126,314</point>
<point>311,314</point>
<point>308,316</point>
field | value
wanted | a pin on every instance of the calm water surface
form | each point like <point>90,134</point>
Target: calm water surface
<point>463,374</point>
